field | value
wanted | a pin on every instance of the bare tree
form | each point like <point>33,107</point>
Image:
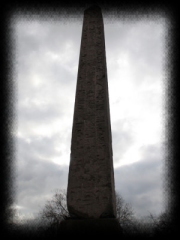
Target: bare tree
<point>161,224</point>
<point>55,210</point>
<point>124,211</point>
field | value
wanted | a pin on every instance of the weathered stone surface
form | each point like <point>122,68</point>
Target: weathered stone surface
<point>91,191</point>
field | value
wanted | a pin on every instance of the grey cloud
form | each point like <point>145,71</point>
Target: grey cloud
<point>141,183</point>
<point>143,49</point>
<point>32,60</point>
<point>41,147</point>
<point>47,37</point>
<point>121,139</point>
<point>39,115</point>
<point>36,179</point>
<point>153,151</point>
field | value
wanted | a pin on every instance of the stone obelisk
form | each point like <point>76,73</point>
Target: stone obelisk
<point>91,190</point>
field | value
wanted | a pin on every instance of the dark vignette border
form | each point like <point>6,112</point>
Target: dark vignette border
<point>7,93</point>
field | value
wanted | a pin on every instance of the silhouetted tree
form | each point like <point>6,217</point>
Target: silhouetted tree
<point>124,211</point>
<point>161,224</point>
<point>55,210</point>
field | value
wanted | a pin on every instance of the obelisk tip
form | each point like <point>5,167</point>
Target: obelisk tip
<point>93,7</point>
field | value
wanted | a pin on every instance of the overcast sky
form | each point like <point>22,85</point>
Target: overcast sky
<point>45,73</point>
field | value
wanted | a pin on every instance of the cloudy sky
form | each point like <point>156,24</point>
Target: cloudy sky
<point>46,56</point>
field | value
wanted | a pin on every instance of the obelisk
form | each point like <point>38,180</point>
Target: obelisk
<point>91,190</point>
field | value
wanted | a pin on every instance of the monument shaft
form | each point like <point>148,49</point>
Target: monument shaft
<point>91,191</point>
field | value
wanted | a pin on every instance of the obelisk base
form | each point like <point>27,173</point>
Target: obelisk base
<point>91,227</point>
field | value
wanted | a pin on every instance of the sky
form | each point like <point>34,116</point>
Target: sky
<point>46,56</point>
